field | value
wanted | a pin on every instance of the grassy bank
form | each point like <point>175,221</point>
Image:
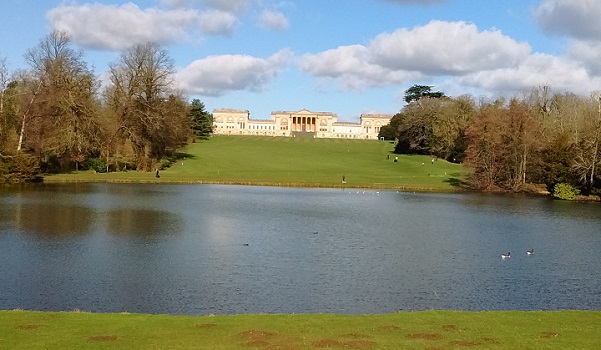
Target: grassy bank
<point>298,162</point>
<point>414,330</point>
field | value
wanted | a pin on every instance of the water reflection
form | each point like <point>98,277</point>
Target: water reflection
<point>186,249</point>
<point>141,222</point>
<point>51,219</point>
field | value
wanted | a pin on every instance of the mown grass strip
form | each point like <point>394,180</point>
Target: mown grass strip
<point>413,330</point>
<point>278,161</point>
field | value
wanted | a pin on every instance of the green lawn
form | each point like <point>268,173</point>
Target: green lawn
<point>408,330</point>
<point>301,162</point>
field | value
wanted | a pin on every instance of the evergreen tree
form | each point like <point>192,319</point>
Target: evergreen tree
<point>201,120</point>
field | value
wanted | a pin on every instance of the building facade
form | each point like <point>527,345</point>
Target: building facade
<point>303,123</point>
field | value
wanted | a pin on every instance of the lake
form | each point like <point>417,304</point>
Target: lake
<point>204,249</point>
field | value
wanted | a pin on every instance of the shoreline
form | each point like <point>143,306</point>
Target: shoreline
<point>262,184</point>
<point>580,198</point>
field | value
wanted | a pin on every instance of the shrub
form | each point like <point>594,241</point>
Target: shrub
<point>96,164</point>
<point>565,191</point>
<point>21,167</point>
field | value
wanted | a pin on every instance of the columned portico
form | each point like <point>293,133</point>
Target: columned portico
<point>306,124</point>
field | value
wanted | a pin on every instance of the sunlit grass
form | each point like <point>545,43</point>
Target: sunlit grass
<point>302,162</point>
<point>413,330</point>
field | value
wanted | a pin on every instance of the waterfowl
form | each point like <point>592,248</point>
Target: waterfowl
<point>530,252</point>
<point>506,256</point>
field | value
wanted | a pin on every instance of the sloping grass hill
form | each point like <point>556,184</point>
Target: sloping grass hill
<point>302,162</point>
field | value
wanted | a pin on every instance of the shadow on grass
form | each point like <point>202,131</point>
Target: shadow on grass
<point>456,182</point>
<point>182,155</point>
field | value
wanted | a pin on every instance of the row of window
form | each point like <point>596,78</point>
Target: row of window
<point>285,127</point>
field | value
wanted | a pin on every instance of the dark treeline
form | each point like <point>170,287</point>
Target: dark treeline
<point>55,117</point>
<point>540,138</point>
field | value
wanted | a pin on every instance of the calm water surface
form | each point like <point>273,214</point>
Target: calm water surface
<point>193,249</point>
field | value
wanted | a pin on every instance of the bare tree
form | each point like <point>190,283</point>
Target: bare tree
<point>588,148</point>
<point>486,150</point>
<point>60,115</point>
<point>139,96</point>
<point>3,87</point>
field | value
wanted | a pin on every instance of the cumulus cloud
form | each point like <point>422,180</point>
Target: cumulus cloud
<point>575,18</point>
<point>234,6</point>
<point>231,6</point>
<point>217,22</point>
<point>538,69</point>
<point>351,66</point>
<point>588,53</point>
<point>273,20</point>
<point>118,27</point>
<point>175,3</point>
<point>216,75</point>
<point>447,48</point>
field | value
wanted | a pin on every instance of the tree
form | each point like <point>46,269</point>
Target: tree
<point>3,87</point>
<point>587,151</point>
<point>59,122</point>
<point>388,132</point>
<point>140,97</point>
<point>523,139</point>
<point>417,92</point>
<point>449,127</point>
<point>555,166</point>
<point>415,132</point>
<point>502,141</point>
<point>434,126</point>
<point>201,121</point>
<point>486,151</point>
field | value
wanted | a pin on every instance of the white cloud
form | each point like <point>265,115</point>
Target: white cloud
<point>217,22</point>
<point>447,48</point>
<point>273,20</point>
<point>587,53</point>
<point>575,18</point>
<point>538,69</point>
<point>456,54</point>
<point>231,6</point>
<point>175,3</point>
<point>118,27</point>
<point>351,67</point>
<point>216,75</point>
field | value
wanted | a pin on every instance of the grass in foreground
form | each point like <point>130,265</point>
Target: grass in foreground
<point>297,162</point>
<point>414,330</point>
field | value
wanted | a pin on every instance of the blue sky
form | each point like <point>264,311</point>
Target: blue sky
<point>343,56</point>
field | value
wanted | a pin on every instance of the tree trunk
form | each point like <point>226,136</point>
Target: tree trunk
<point>594,162</point>
<point>22,133</point>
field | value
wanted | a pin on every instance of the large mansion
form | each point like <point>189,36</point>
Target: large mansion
<point>302,123</point>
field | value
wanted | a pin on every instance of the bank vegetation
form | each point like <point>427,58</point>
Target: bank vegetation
<point>57,116</point>
<point>540,137</point>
